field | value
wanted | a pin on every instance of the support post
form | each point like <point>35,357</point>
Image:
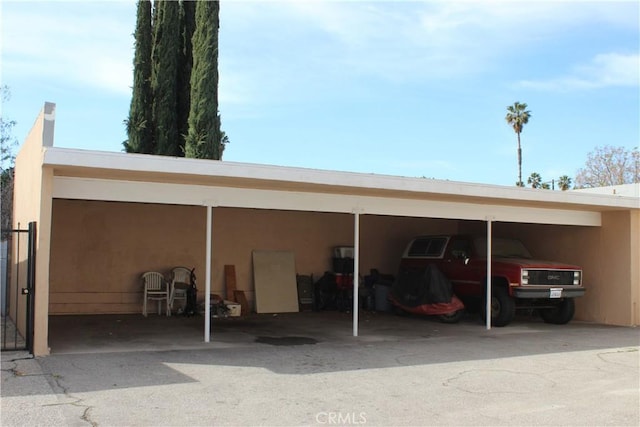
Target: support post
<point>207,279</point>
<point>489,256</point>
<point>356,269</point>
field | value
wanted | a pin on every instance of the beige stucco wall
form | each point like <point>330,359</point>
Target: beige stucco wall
<point>99,250</point>
<point>635,265</point>
<point>32,202</point>
<point>312,237</point>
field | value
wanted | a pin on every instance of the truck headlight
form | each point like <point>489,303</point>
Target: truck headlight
<point>576,277</point>
<point>525,277</point>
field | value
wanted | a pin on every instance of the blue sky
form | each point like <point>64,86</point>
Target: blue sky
<point>415,89</point>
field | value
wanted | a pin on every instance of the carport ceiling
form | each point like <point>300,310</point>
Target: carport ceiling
<point>91,175</point>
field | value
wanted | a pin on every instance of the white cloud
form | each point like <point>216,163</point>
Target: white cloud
<point>78,43</point>
<point>295,47</point>
<point>604,70</point>
<point>614,69</point>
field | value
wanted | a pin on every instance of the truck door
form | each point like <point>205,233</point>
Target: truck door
<point>457,268</point>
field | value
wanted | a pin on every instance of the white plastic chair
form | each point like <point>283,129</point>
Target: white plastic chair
<point>182,276</point>
<point>155,289</point>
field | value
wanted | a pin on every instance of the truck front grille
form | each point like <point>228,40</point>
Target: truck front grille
<point>552,277</point>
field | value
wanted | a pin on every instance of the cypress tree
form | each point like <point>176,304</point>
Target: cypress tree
<point>156,4</point>
<point>188,26</point>
<point>167,46</point>
<point>139,124</point>
<point>204,137</point>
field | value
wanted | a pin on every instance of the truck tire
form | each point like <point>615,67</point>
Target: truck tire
<point>560,314</point>
<point>503,307</point>
<point>451,317</point>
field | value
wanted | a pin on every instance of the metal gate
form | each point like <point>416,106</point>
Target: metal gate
<point>17,286</point>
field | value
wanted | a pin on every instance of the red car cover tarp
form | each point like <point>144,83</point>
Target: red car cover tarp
<point>424,291</point>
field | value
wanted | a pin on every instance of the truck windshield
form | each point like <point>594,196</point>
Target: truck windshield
<point>502,248</point>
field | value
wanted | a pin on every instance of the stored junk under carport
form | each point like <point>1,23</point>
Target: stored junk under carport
<point>104,218</point>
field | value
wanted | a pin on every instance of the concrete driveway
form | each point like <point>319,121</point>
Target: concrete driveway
<point>309,370</point>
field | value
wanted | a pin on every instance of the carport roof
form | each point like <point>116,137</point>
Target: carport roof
<point>230,182</point>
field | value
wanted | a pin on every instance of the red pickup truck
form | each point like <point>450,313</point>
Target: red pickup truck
<point>518,281</point>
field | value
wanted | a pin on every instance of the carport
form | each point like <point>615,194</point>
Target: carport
<point>48,177</point>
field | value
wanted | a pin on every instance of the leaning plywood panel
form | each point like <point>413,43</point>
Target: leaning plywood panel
<point>274,276</point>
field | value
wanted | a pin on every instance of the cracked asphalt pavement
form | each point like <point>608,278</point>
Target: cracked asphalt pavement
<point>537,374</point>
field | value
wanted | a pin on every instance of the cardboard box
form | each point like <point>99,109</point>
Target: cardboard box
<point>234,308</point>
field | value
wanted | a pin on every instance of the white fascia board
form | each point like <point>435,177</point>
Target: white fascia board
<point>198,195</point>
<point>61,157</point>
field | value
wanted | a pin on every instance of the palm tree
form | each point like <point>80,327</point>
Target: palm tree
<point>535,180</point>
<point>517,117</point>
<point>564,182</point>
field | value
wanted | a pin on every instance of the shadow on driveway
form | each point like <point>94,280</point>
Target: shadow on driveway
<point>108,352</point>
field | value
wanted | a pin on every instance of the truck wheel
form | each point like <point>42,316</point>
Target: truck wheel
<point>451,317</point>
<point>503,307</point>
<point>560,314</point>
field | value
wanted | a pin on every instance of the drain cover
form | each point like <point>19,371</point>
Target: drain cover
<point>286,340</point>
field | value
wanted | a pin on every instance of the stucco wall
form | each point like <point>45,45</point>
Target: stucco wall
<point>312,237</point>
<point>635,265</point>
<point>100,249</point>
<point>32,202</point>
